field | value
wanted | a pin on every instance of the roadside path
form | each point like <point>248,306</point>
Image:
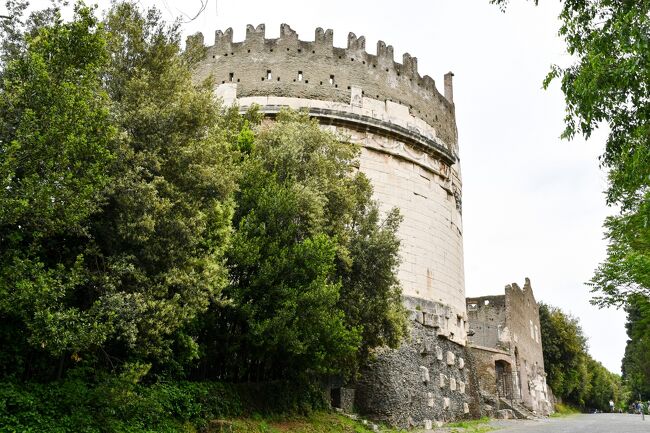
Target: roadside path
<point>593,423</point>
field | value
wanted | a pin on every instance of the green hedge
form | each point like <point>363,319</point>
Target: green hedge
<point>116,406</point>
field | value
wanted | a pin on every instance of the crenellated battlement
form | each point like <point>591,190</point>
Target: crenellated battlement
<point>287,66</point>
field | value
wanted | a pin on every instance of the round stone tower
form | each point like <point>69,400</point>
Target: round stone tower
<point>408,134</point>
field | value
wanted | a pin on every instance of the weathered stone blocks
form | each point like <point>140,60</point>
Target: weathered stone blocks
<point>424,374</point>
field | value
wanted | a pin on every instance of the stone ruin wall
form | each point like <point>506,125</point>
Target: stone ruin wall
<point>409,151</point>
<point>523,315</point>
<point>507,328</point>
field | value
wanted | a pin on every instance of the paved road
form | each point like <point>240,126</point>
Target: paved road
<point>596,423</point>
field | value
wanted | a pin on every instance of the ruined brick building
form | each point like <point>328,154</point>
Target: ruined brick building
<point>507,347</point>
<point>407,131</point>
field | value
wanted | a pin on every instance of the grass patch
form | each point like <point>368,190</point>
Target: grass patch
<point>317,422</point>
<point>480,425</point>
<point>562,410</point>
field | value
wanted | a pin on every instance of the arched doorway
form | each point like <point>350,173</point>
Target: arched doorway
<point>504,379</point>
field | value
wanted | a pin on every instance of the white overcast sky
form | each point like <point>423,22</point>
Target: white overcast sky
<point>533,204</point>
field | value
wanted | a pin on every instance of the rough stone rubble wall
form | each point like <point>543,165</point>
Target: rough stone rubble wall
<point>427,381</point>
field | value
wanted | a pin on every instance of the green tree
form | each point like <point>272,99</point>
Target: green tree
<point>636,362</point>
<point>564,351</point>
<point>57,147</point>
<point>304,224</point>
<point>162,236</point>
<point>116,182</point>
<point>573,375</point>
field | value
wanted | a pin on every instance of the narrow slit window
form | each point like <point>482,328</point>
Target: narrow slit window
<point>231,76</point>
<point>268,74</point>
<point>299,75</point>
<point>331,79</point>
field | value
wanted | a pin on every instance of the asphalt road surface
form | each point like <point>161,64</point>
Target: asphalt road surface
<point>596,423</point>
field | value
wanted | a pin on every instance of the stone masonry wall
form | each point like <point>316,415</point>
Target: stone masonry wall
<point>523,319</point>
<point>426,380</point>
<point>288,66</point>
<point>506,328</point>
<point>487,318</point>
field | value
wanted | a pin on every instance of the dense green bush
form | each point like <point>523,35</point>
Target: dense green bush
<point>116,404</point>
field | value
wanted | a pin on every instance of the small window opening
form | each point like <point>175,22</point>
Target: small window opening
<point>299,75</point>
<point>268,74</point>
<point>331,79</point>
<point>231,76</point>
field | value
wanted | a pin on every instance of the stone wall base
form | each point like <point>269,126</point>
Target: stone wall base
<point>428,379</point>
